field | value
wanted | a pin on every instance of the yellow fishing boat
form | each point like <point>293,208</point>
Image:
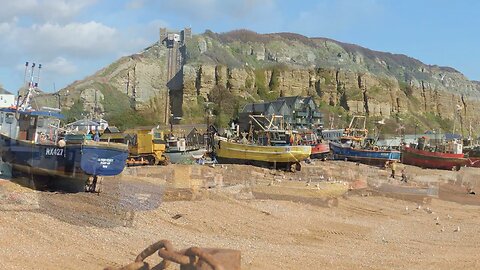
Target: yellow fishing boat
<point>280,154</point>
<point>271,145</point>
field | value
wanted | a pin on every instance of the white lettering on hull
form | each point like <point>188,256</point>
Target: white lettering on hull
<point>105,162</point>
<point>54,151</point>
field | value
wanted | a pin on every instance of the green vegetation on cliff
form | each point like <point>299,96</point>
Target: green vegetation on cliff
<point>225,105</point>
<point>119,111</point>
<point>74,113</point>
<point>117,106</point>
<point>233,68</point>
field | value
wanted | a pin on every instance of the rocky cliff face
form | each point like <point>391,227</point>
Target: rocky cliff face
<point>254,67</point>
<point>139,79</point>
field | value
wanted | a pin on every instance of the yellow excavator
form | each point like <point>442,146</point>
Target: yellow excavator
<point>144,148</point>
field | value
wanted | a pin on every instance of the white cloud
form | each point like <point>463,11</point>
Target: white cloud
<point>12,9</point>
<point>62,49</point>
<point>43,10</point>
<point>54,33</point>
<point>53,70</point>
<point>79,39</point>
<point>5,28</point>
<point>60,66</point>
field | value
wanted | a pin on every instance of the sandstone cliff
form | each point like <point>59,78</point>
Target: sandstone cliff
<point>254,67</point>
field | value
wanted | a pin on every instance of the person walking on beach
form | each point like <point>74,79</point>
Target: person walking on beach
<point>404,175</point>
<point>393,166</point>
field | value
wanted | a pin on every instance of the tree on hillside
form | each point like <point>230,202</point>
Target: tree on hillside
<point>225,105</point>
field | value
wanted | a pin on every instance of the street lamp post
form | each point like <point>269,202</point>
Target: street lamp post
<point>171,125</point>
<point>416,125</point>
<point>208,138</point>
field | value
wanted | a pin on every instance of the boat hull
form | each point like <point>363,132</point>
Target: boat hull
<point>433,160</point>
<point>232,152</point>
<point>371,157</point>
<point>320,150</point>
<point>102,160</point>
<point>67,167</point>
<point>179,157</point>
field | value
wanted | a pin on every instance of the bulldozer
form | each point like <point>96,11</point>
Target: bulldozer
<point>145,149</point>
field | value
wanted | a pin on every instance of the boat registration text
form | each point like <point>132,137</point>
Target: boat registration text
<point>54,151</point>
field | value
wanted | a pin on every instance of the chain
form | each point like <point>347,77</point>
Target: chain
<point>166,251</point>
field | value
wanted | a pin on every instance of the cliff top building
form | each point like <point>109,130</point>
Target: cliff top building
<point>168,38</point>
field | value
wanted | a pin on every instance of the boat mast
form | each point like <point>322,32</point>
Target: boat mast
<point>32,85</point>
<point>253,117</point>
<point>357,127</point>
<point>25,74</point>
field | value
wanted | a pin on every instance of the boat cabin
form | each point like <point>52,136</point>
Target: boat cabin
<point>308,138</point>
<point>36,126</point>
<point>451,147</point>
<point>274,138</point>
<point>332,134</point>
<point>354,142</point>
<point>176,144</point>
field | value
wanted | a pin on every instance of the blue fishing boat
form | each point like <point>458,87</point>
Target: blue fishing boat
<point>34,146</point>
<point>375,156</point>
<point>352,146</point>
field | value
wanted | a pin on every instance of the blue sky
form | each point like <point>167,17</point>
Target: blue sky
<point>75,38</point>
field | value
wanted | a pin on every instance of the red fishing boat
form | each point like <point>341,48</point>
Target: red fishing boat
<point>320,150</point>
<point>447,157</point>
